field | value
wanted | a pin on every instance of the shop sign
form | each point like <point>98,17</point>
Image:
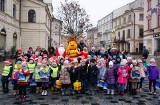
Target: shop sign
<point>159,10</point>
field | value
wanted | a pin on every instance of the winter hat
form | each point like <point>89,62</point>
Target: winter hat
<point>129,58</point>
<point>123,63</point>
<point>153,60</point>
<point>134,61</point>
<point>75,60</point>
<point>24,64</point>
<point>66,62</point>
<point>8,61</point>
<point>139,61</point>
<point>93,60</point>
<point>110,63</point>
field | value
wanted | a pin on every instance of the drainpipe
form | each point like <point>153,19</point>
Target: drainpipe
<point>20,19</point>
<point>51,32</point>
<point>134,28</point>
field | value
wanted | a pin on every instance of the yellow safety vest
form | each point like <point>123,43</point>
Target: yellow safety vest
<point>16,67</point>
<point>31,67</point>
<point>37,76</point>
<point>55,72</point>
<point>6,70</point>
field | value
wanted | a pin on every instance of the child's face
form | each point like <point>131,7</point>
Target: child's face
<point>7,64</point>
<point>91,63</point>
<point>123,66</point>
<point>44,64</point>
<point>129,60</point>
<point>110,66</point>
<point>38,66</point>
<point>83,63</point>
<point>31,61</point>
<point>135,64</point>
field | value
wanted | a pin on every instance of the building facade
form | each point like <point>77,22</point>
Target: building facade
<point>128,27</point>
<point>105,26</point>
<point>152,25</point>
<point>56,33</point>
<point>24,24</point>
<point>92,37</point>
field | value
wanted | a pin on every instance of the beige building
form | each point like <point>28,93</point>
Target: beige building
<point>92,37</point>
<point>128,26</point>
<point>105,26</point>
<point>152,25</point>
<point>25,23</point>
<point>56,33</point>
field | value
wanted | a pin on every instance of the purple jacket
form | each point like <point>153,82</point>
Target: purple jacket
<point>153,73</point>
<point>110,76</point>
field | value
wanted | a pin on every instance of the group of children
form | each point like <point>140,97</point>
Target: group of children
<point>113,74</point>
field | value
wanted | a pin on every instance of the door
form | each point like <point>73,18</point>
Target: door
<point>140,47</point>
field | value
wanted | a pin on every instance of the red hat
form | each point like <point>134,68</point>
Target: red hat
<point>54,62</point>
<point>34,56</point>
<point>19,50</point>
<point>45,56</point>
<point>7,61</point>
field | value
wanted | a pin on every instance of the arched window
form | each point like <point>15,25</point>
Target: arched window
<point>2,39</point>
<point>32,16</point>
<point>2,5</point>
<point>14,10</point>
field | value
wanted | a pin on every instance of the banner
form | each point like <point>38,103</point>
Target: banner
<point>158,10</point>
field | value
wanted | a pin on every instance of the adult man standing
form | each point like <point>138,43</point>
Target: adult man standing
<point>145,52</point>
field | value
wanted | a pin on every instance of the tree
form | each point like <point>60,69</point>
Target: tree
<point>75,19</point>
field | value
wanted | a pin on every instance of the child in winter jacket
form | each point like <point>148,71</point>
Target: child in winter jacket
<point>92,76</point>
<point>65,77</point>
<point>6,75</point>
<point>37,77</point>
<point>153,75</point>
<point>22,80</point>
<point>44,77</point>
<point>102,69</point>
<point>142,69</point>
<point>134,77</point>
<point>122,78</point>
<point>110,78</point>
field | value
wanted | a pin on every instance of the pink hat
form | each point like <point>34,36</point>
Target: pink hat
<point>66,62</point>
<point>153,60</point>
<point>7,61</point>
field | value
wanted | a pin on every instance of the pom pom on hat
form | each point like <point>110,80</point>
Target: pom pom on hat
<point>110,63</point>
<point>24,64</point>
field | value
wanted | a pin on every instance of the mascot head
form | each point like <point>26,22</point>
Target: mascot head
<point>72,43</point>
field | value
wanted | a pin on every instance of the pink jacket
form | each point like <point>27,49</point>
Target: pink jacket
<point>27,73</point>
<point>122,75</point>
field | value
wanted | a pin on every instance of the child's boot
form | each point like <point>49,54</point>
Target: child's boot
<point>52,88</point>
<point>14,92</point>
<point>108,91</point>
<point>112,92</point>
<point>37,90</point>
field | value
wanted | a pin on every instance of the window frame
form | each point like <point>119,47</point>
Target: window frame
<point>141,19</point>
<point>141,32</point>
<point>128,33</point>
<point>32,16</point>
<point>129,18</point>
<point>14,11</point>
<point>2,6</point>
<point>149,24</point>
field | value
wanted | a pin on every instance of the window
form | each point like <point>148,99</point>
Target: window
<point>149,4</point>
<point>149,24</point>
<point>141,17</point>
<point>119,36</point>
<point>115,23</point>
<point>140,32</point>
<point>32,16</point>
<point>14,10</point>
<point>158,2</point>
<point>119,21</point>
<point>129,33</point>
<point>129,18</point>
<point>2,5</point>
<point>123,38</point>
<point>124,20</point>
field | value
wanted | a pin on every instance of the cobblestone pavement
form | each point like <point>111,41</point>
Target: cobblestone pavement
<point>97,99</point>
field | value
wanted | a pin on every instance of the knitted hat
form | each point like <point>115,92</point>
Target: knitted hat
<point>134,61</point>
<point>110,63</point>
<point>123,63</point>
<point>66,62</point>
<point>129,58</point>
<point>24,64</point>
<point>139,61</point>
<point>153,60</point>
<point>7,61</point>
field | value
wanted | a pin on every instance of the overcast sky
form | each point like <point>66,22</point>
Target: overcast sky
<point>97,9</point>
